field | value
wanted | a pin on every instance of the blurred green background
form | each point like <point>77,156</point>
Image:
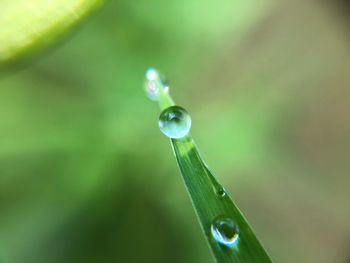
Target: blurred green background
<point>86,175</point>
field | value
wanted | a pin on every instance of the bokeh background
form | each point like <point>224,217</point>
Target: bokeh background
<point>86,176</point>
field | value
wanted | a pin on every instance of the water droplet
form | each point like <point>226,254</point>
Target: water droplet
<point>175,122</point>
<point>225,231</point>
<point>221,192</point>
<point>164,82</point>
<point>151,74</point>
<point>154,83</point>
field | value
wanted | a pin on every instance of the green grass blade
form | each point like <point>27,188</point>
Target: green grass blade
<point>210,201</point>
<point>209,198</point>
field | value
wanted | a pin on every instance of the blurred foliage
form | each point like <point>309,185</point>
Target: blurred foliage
<point>27,26</point>
<point>86,176</point>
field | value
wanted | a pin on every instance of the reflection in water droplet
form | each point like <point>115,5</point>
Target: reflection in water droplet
<point>164,82</point>
<point>154,83</point>
<point>225,231</point>
<point>175,122</point>
<point>151,74</point>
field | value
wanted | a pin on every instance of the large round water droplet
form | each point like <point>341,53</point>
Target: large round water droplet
<point>225,231</point>
<point>155,82</point>
<point>175,122</point>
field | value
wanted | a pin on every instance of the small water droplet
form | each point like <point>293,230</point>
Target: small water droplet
<point>151,74</point>
<point>154,83</point>
<point>221,192</point>
<point>225,231</point>
<point>175,122</point>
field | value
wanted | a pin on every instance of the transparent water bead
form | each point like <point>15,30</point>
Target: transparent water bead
<point>225,231</point>
<point>221,192</point>
<point>155,82</point>
<point>175,122</point>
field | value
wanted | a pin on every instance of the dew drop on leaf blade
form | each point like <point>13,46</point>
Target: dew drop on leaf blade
<point>175,122</point>
<point>225,231</point>
<point>221,192</point>
<point>155,83</point>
